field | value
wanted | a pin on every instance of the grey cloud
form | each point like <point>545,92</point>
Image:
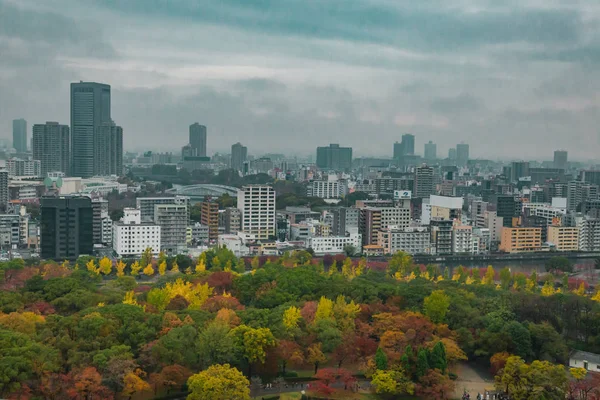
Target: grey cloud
<point>458,104</point>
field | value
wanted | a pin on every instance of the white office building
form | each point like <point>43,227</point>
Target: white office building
<point>462,240</point>
<point>332,188</point>
<point>257,206</point>
<point>130,237</point>
<point>335,244</point>
<point>412,240</point>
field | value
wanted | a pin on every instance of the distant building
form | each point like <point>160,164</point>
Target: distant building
<point>560,159</point>
<point>462,154</point>
<point>99,211</point>
<point>441,236</point>
<point>239,155</point>
<point>257,206</point>
<point>374,219</point>
<point>423,182</point>
<point>519,169</point>
<point>334,157</point>
<point>521,239</point>
<point>51,146</point>
<point>66,227</point>
<point>20,135</point>
<point>173,221</point>
<point>411,240</point>
<point>452,153</point>
<point>334,244</point>
<point>430,151</point>
<point>565,238</point>
<point>332,188</point>
<point>4,194</point>
<point>462,240</point>
<point>230,220</point>
<point>209,216</point>
<point>198,139</point>
<point>583,359</point>
<point>20,167</point>
<point>146,205</point>
<point>131,237</point>
<point>578,192</point>
<point>90,109</point>
<point>108,149</point>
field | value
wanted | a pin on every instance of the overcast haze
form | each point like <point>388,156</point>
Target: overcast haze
<point>511,78</point>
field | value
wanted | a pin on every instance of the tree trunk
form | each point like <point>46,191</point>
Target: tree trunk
<point>283,365</point>
<point>316,367</point>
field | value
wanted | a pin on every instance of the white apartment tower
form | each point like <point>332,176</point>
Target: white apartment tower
<point>257,206</point>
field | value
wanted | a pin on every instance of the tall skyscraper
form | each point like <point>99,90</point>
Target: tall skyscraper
<point>239,154</point>
<point>519,169</point>
<point>90,109</point>
<point>51,143</point>
<point>408,144</point>
<point>560,159</point>
<point>66,227</point>
<point>334,157</point>
<point>20,135</point>
<point>198,139</point>
<point>462,154</point>
<point>397,150</point>
<point>4,196</point>
<point>430,151</point>
<point>257,206</point>
<point>108,150</point>
<point>423,186</point>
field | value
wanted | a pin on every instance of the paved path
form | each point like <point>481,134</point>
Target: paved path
<point>472,380</point>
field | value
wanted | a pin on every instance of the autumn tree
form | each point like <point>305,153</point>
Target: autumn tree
<point>135,268</point>
<point>121,268</point>
<point>436,306</point>
<point>149,270</point>
<point>315,356</point>
<point>435,385</point>
<point>289,352</point>
<point>393,382</point>
<point>219,382</point>
<point>146,257</point>
<point>134,384</point>
<point>291,318</point>
<point>162,268</point>
<point>252,343</point>
<point>324,310</point>
<point>540,379</point>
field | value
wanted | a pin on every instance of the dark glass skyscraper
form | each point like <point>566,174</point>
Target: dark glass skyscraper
<point>198,139</point>
<point>334,157</point>
<point>90,109</point>
<point>66,227</point>
<point>239,154</point>
<point>20,135</point>
<point>51,146</point>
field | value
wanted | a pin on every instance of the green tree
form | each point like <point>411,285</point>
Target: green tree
<point>559,264</point>
<point>381,360</point>
<point>215,345</point>
<point>219,382</point>
<point>422,363</point>
<point>505,277</point>
<point>436,306</point>
<point>438,357</point>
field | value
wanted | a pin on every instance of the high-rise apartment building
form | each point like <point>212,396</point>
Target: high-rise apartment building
<point>560,159</point>
<point>424,183</point>
<point>430,151</point>
<point>90,109</point>
<point>173,221</point>
<point>209,216</point>
<point>462,154</point>
<point>239,155</point>
<point>20,135</point>
<point>108,150</point>
<point>578,192</point>
<point>66,227</point>
<point>4,195</point>
<point>51,146</point>
<point>198,139</point>
<point>374,219</point>
<point>99,210</point>
<point>257,206</point>
<point>334,157</point>
<point>408,144</point>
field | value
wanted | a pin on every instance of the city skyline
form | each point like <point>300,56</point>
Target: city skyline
<point>482,74</point>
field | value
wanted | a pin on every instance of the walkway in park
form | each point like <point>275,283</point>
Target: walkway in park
<point>472,379</point>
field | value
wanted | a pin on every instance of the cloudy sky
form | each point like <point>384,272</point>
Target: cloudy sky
<point>513,78</point>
